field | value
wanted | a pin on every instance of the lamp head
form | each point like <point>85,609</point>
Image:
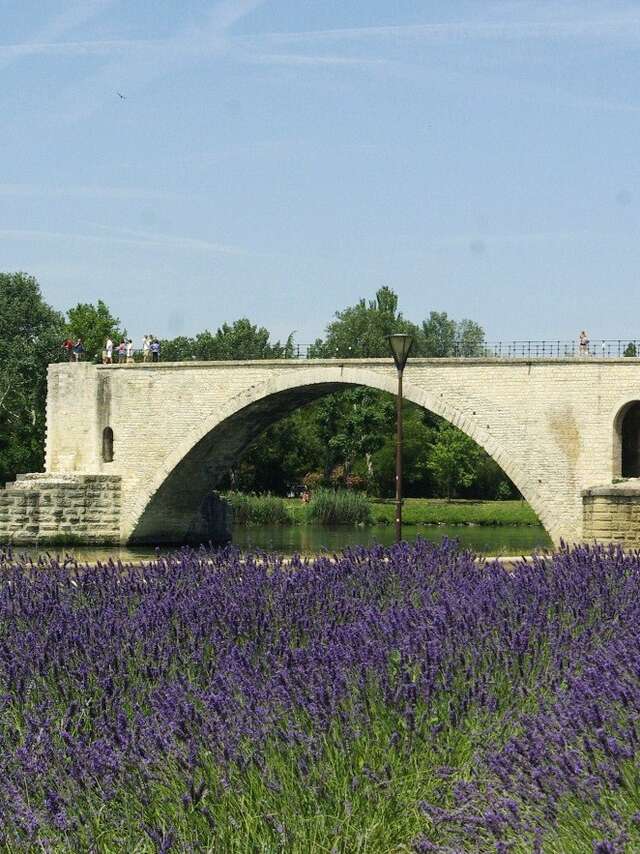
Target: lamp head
<point>400,345</point>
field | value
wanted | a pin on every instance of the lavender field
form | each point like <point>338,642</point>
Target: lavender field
<point>385,700</point>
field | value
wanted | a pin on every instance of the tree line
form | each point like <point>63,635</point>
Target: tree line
<point>345,439</point>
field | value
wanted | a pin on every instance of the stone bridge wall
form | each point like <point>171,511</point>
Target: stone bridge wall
<point>549,423</point>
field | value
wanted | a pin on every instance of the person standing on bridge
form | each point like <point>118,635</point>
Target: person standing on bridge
<point>78,350</point>
<point>108,348</point>
<point>129,351</point>
<point>155,350</point>
<point>67,346</point>
<point>146,348</point>
<point>584,343</point>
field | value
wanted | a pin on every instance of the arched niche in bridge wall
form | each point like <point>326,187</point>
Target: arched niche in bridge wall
<point>107,445</point>
<point>173,498</point>
<point>626,444</point>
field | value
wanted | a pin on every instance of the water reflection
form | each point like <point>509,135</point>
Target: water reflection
<point>310,539</point>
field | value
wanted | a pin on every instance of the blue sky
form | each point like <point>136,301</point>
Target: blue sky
<point>280,159</point>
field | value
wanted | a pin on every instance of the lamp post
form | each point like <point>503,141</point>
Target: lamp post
<point>400,345</point>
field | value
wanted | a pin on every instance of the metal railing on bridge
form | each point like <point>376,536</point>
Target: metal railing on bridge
<point>604,348</point>
<point>612,348</point>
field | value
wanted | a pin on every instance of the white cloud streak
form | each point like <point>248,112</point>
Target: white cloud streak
<point>76,48</point>
<point>30,191</point>
<point>75,16</point>
<point>318,61</point>
<point>153,59</point>
<point>132,64</point>
<point>212,36</point>
<point>624,27</point>
<point>135,239</point>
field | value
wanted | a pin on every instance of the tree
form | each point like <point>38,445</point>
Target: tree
<point>453,459</point>
<point>366,420</point>
<point>361,329</point>
<point>441,336</point>
<point>94,324</point>
<point>470,338</point>
<point>244,340</point>
<point>438,337</point>
<point>353,424</point>
<point>417,438</point>
<point>178,349</point>
<point>31,335</point>
<point>355,427</point>
<point>240,340</point>
<point>279,458</point>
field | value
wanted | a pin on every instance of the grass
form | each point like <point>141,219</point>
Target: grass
<point>259,509</point>
<point>436,511</point>
<point>344,507</point>
<point>327,507</point>
<point>338,507</point>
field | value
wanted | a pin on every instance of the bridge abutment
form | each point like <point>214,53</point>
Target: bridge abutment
<point>85,509</point>
<point>612,513</point>
<point>61,508</point>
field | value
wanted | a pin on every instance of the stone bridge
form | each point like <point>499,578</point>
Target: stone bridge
<point>133,451</point>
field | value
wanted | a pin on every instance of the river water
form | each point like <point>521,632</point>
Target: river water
<point>312,539</point>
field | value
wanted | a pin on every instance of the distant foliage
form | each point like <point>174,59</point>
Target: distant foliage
<point>236,341</point>
<point>258,509</point>
<point>360,330</point>
<point>31,336</point>
<point>453,459</point>
<point>441,335</point>
<point>339,507</point>
<point>94,324</point>
<point>313,480</point>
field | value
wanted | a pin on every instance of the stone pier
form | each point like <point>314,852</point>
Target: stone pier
<point>61,508</point>
<point>612,513</point>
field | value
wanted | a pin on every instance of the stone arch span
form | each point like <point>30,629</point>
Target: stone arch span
<point>167,508</point>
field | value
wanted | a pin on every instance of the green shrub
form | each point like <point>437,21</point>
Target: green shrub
<point>313,480</point>
<point>258,509</point>
<point>339,507</point>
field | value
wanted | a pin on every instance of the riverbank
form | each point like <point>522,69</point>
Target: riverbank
<point>437,511</point>
<point>311,541</point>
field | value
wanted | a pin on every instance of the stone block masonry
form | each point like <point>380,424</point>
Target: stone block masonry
<point>45,508</point>
<point>612,513</point>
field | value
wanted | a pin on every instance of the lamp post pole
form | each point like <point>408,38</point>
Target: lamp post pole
<point>400,346</point>
<point>399,458</point>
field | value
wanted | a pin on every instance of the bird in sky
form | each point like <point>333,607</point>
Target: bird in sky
<point>120,95</point>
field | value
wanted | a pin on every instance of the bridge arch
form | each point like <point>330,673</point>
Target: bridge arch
<point>626,440</point>
<point>168,507</point>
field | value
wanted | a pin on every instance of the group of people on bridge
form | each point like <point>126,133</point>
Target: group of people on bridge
<point>115,354</point>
